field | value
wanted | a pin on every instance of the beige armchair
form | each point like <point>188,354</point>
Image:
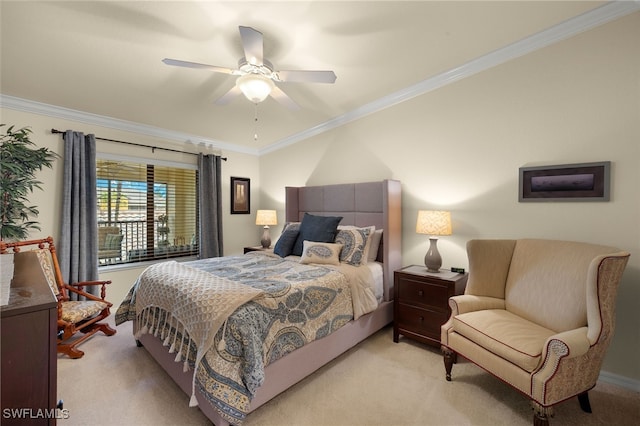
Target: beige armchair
<point>537,314</point>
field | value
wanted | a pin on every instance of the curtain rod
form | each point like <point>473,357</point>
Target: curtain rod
<point>153,148</point>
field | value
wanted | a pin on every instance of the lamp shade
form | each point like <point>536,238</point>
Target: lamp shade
<point>256,87</point>
<point>266,217</point>
<point>434,222</point>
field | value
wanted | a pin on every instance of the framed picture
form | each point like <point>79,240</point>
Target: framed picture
<point>566,182</point>
<point>240,195</point>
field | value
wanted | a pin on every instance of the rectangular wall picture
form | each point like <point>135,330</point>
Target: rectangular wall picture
<point>566,182</point>
<point>240,195</point>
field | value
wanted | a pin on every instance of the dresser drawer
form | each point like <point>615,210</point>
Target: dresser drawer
<point>426,295</point>
<point>420,321</point>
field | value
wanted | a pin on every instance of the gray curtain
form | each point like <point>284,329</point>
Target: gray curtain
<point>210,205</point>
<point>78,244</point>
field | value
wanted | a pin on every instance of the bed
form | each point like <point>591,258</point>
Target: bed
<point>360,205</point>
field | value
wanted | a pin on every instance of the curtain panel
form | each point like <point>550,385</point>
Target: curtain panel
<point>210,205</point>
<point>78,243</point>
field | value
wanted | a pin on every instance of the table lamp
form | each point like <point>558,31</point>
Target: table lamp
<point>433,223</point>
<point>266,218</point>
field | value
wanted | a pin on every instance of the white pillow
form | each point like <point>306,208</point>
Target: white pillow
<point>356,243</point>
<point>321,253</point>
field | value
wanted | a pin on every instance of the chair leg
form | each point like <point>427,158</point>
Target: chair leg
<point>449,359</point>
<point>541,414</point>
<point>70,351</point>
<point>583,399</point>
<point>94,328</point>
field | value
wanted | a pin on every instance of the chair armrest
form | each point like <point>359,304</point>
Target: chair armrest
<point>469,303</point>
<point>90,283</point>
<point>557,351</point>
<point>568,344</point>
<point>78,289</point>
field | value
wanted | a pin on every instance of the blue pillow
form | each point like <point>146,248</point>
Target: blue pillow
<point>284,245</point>
<point>321,229</point>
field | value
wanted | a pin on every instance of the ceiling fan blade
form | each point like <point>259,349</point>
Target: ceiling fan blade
<point>229,96</point>
<point>252,43</point>
<point>307,76</point>
<point>283,98</point>
<point>186,64</point>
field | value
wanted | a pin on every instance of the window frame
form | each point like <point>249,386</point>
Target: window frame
<point>146,161</point>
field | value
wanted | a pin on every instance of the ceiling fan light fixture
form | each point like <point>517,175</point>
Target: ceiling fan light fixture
<point>256,87</point>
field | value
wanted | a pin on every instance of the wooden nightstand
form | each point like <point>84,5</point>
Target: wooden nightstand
<point>421,302</point>
<point>256,248</point>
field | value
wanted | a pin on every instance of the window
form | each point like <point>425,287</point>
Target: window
<point>145,211</point>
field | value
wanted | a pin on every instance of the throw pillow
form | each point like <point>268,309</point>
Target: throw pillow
<point>284,245</point>
<point>316,228</point>
<point>112,241</point>
<point>321,253</point>
<point>356,242</point>
<point>375,238</point>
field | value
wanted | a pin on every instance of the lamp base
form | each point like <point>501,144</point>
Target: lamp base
<point>433,260</point>
<point>266,238</point>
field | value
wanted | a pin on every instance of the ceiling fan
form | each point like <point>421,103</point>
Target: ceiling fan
<point>256,76</point>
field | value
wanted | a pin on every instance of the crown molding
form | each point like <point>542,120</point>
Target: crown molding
<point>562,31</point>
<point>34,107</point>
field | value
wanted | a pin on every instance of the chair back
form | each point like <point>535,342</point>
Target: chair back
<point>548,280</point>
<point>35,260</point>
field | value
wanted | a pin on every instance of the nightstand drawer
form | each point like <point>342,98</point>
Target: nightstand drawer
<point>426,295</point>
<point>421,321</point>
<point>421,302</point>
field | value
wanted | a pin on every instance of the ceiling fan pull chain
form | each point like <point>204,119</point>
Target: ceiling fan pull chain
<point>255,123</point>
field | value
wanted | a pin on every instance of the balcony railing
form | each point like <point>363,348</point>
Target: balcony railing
<point>133,247</point>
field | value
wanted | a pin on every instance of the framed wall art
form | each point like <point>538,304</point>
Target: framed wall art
<point>240,195</point>
<point>566,182</point>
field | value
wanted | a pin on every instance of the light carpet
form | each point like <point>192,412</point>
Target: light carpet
<point>378,382</point>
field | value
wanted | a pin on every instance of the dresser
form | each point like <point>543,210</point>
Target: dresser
<point>29,358</point>
<point>421,302</point>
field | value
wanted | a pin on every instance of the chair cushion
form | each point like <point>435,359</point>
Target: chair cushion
<point>509,336</point>
<point>76,311</point>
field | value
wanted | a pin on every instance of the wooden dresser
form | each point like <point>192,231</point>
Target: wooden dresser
<point>421,302</point>
<point>29,358</point>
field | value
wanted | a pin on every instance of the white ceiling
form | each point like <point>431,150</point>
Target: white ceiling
<point>104,57</point>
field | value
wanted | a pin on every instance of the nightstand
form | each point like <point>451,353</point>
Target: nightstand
<point>256,248</point>
<point>421,302</point>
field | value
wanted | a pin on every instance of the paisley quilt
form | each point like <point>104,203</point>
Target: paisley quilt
<point>297,303</point>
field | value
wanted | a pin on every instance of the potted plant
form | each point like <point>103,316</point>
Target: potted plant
<point>20,159</point>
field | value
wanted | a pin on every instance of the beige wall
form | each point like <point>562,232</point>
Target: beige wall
<point>460,147</point>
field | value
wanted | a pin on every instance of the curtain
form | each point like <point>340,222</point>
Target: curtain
<point>210,205</point>
<point>78,244</point>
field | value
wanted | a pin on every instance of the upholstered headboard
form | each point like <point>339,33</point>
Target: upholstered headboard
<point>360,204</point>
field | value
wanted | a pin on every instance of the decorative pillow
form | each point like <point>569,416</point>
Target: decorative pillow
<point>322,253</point>
<point>284,245</point>
<point>112,241</point>
<point>356,243</point>
<point>321,229</point>
<point>375,238</point>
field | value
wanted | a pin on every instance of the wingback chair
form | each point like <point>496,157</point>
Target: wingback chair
<point>37,260</point>
<point>537,314</point>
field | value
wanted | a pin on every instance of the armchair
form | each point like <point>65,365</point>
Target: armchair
<point>537,314</point>
<point>41,263</point>
<point>109,243</point>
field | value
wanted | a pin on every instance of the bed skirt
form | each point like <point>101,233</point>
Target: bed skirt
<point>288,370</point>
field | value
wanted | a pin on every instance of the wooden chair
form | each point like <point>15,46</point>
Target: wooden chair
<point>40,262</point>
